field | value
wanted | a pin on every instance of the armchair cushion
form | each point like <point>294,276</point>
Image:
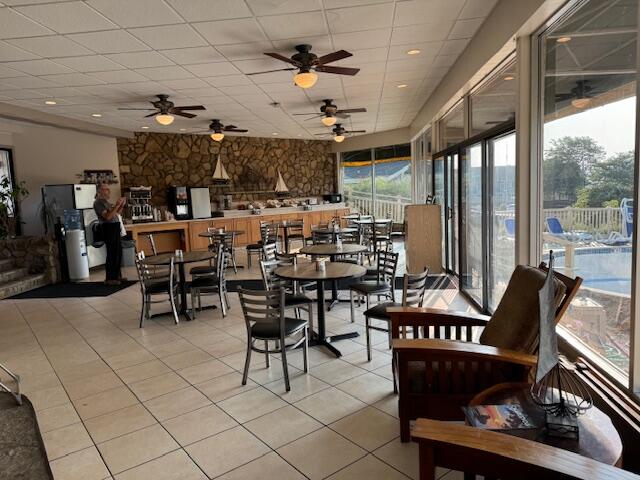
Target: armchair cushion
<point>515,323</point>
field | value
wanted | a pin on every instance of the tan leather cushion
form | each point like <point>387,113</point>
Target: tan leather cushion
<point>516,322</point>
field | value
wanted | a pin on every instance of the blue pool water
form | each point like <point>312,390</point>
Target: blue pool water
<point>603,268</point>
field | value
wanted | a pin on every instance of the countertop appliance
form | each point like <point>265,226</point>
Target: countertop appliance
<point>332,197</point>
<point>178,202</point>
<point>58,198</point>
<point>199,202</point>
<point>139,207</point>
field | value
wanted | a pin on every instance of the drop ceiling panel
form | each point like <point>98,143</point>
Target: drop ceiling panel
<point>95,56</point>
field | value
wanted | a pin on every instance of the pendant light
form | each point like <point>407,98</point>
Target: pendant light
<point>305,79</point>
<point>329,121</point>
<point>217,136</point>
<point>165,119</point>
<point>339,138</point>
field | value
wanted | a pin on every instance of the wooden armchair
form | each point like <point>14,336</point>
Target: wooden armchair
<point>439,367</point>
<point>497,455</point>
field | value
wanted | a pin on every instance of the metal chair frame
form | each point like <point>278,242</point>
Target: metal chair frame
<point>147,280</point>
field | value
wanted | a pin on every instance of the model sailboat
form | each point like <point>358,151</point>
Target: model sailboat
<point>281,187</point>
<point>220,174</point>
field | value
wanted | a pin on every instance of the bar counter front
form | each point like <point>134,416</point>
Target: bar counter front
<point>185,234</point>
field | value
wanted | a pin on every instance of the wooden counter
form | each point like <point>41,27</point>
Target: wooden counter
<point>185,234</point>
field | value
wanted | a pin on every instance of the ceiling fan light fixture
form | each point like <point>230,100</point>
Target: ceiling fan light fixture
<point>305,79</point>
<point>329,121</point>
<point>165,119</point>
<point>581,103</point>
<point>217,136</point>
<point>339,138</point>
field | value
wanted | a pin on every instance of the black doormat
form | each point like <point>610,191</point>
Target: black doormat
<point>68,290</point>
<point>434,282</point>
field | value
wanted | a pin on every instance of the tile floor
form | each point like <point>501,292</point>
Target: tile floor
<point>166,402</point>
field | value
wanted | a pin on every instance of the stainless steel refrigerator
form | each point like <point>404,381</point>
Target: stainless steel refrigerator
<point>58,198</point>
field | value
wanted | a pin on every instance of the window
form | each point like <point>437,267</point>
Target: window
<point>494,102</point>
<point>452,127</point>
<point>378,181</point>
<point>587,109</point>
<point>421,150</point>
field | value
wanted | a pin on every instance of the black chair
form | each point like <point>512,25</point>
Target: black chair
<point>296,233</point>
<point>381,286</point>
<point>382,236</point>
<point>210,269</point>
<point>413,288</point>
<point>151,284</point>
<point>212,283</point>
<point>294,298</point>
<point>268,234</point>
<point>265,321</point>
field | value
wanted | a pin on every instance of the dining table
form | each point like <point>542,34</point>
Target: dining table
<point>333,251</point>
<point>181,260</point>
<point>219,233</point>
<point>333,271</point>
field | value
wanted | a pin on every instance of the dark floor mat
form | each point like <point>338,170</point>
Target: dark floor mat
<point>68,290</point>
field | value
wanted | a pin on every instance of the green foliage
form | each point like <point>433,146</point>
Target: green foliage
<point>567,166</point>
<point>611,180</point>
<point>10,198</point>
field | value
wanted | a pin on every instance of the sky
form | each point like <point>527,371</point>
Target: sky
<point>611,125</point>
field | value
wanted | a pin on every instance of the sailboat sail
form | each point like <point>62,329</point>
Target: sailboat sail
<point>281,187</point>
<point>220,173</point>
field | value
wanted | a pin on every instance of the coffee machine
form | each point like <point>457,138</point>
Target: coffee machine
<point>139,207</point>
<point>178,202</point>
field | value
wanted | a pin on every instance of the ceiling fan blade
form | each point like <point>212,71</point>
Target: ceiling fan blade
<point>323,134</point>
<point>351,110</point>
<point>270,71</point>
<point>183,114</point>
<point>314,117</point>
<point>151,114</point>
<point>334,57</point>
<point>310,113</point>
<point>190,107</point>
<point>237,130</point>
<point>341,115</point>
<point>355,131</point>
<point>229,127</point>
<point>147,109</point>
<point>337,70</point>
<point>277,56</point>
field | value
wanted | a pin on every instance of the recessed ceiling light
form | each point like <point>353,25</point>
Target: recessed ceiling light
<point>97,115</point>
<point>50,102</point>
<point>563,39</point>
<point>413,51</point>
<point>183,129</point>
<point>403,85</point>
<point>145,128</point>
<point>509,77</point>
<point>275,133</point>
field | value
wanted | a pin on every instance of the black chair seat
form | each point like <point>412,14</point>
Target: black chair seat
<point>291,299</point>
<point>202,282</point>
<point>202,270</point>
<point>295,235</point>
<point>371,287</point>
<point>160,286</point>
<point>254,246</point>
<point>272,330</point>
<point>380,310</point>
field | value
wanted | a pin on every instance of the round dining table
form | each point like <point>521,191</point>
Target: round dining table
<point>333,271</point>
<point>219,234</point>
<point>181,261</point>
<point>333,251</point>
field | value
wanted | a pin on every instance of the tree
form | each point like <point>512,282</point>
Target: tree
<point>610,181</point>
<point>567,165</point>
<point>10,198</point>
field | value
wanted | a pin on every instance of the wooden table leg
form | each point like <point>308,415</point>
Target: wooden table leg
<point>427,462</point>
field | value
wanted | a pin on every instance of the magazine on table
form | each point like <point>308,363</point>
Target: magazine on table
<point>498,417</point>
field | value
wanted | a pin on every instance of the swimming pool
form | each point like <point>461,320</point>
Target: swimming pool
<point>603,268</point>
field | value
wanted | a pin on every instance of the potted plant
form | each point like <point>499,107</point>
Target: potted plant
<point>11,196</point>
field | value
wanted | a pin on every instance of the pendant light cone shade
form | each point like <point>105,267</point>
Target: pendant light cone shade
<point>328,121</point>
<point>339,138</point>
<point>305,79</point>
<point>581,102</point>
<point>281,187</point>
<point>217,136</point>
<point>164,119</point>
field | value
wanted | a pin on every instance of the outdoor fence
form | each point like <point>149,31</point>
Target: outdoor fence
<point>593,220</point>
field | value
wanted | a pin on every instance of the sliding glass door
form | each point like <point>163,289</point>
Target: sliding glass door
<point>439,198</point>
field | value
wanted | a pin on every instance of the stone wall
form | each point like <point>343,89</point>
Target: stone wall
<point>36,254</point>
<point>162,160</point>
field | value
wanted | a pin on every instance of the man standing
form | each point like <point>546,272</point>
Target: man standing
<point>108,216</point>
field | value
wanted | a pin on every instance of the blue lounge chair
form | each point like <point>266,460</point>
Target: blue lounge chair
<point>555,228</point>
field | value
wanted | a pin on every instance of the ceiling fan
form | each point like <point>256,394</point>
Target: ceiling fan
<point>165,110</point>
<point>580,95</point>
<point>331,113</point>
<point>217,128</point>
<point>308,63</point>
<point>339,132</point>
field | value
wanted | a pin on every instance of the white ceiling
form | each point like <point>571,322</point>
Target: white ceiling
<point>94,56</point>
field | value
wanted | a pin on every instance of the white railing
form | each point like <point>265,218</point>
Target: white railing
<point>593,220</point>
<point>385,206</point>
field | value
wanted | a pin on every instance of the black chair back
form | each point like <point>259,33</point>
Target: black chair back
<point>413,288</point>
